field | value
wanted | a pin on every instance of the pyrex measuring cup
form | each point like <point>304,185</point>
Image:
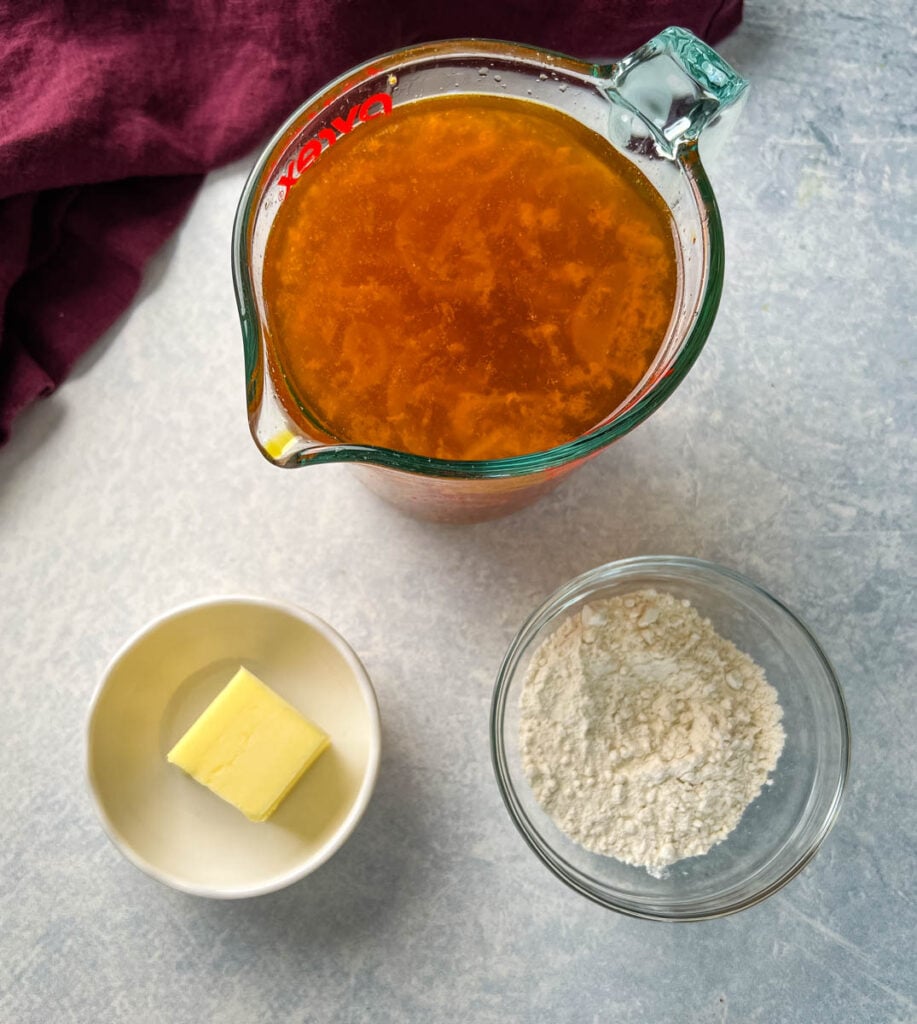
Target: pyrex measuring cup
<point>653,106</point>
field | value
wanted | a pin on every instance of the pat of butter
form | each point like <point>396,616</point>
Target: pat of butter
<point>250,746</point>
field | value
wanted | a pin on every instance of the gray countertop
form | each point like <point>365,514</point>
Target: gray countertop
<point>789,453</point>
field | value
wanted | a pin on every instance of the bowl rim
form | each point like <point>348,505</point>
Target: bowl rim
<point>558,602</point>
<point>357,809</point>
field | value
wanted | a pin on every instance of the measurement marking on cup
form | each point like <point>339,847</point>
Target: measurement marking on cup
<point>341,126</point>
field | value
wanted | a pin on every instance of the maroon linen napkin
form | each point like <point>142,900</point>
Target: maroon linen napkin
<point>110,116</point>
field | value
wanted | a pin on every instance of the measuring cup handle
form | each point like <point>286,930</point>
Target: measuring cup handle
<point>669,91</point>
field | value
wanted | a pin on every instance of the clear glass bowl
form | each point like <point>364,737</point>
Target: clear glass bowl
<point>784,826</point>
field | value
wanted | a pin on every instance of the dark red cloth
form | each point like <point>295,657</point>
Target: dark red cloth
<point>111,114</point>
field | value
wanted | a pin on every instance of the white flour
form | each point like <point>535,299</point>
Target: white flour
<point>645,734</point>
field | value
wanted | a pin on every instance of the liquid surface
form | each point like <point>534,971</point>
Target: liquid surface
<point>467,278</point>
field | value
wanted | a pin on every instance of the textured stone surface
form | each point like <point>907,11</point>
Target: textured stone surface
<point>789,453</point>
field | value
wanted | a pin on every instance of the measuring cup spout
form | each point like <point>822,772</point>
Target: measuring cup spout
<point>672,93</point>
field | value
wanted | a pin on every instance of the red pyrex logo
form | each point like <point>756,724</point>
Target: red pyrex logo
<point>312,150</point>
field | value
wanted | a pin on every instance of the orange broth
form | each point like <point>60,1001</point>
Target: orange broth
<point>469,277</point>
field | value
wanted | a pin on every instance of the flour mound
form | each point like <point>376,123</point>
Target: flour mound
<point>644,733</point>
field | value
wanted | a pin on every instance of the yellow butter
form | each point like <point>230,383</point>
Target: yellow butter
<point>250,746</point>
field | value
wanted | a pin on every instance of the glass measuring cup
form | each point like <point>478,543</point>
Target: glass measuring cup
<point>657,107</point>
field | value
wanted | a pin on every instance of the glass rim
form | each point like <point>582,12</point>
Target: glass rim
<point>703,908</point>
<point>688,159</point>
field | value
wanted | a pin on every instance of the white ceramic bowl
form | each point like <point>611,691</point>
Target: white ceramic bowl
<point>155,687</point>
